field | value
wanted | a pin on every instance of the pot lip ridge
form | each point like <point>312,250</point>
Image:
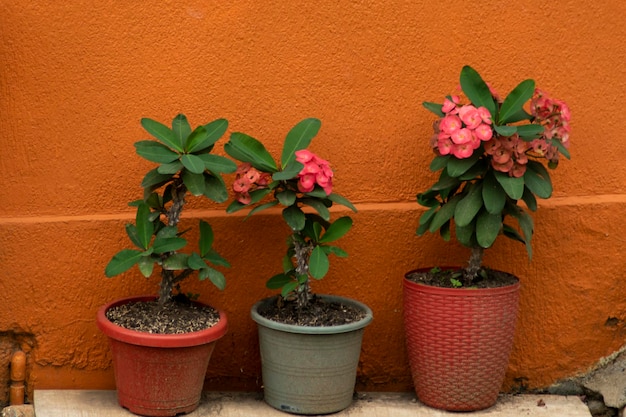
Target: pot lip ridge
<point>466,292</point>
<point>157,340</point>
<point>314,330</point>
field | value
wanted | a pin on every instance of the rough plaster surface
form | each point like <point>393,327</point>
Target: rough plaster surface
<point>76,80</point>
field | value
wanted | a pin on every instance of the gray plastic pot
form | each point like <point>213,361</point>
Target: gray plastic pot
<point>310,370</point>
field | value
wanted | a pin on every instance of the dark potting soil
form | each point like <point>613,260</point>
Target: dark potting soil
<point>174,317</point>
<point>446,278</point>
<point>318,313</point>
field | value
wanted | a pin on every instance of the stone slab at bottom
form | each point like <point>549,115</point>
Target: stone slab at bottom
<point>85,403</point>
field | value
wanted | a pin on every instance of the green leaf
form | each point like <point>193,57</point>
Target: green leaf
<point>530,131</point>
<point>319,206</point>
<point>506,130</point>
<point>155,152</point>
<point>205,136</point>
<point>288,288</point>
<point>278,281</point>
<point>488,228</point>
<point>476,171</point>
<point>193,163</point>
<point>434,107</point>
<point>529,199</point>
<point>514,102</point>
<point>171,168</point>
<point>144,226</point>
<point>154,179</point>
<point>206,238</point>
<point>445,181</point>
<point>215,188</point>
<point>262,207</point>
<point>162,245</point>
<point>288,172</point>
<point>286,198</point>
<point>194,182</point>
<point>537,179</point>
<point>337,229</point>
<point>444,214</point>
<point>457,167</point>
<point>215,258</point>
<point>299,137</point>
<point>494,195</point>
<point>162,133</point>
<point>216,277</point>
<point>519,116</point>
<point>131,231</point>
<point>336,198</point>
<point>176,261</point>
<point>247,149</point>
<point>334,250</point>
<point>469,205</point>
<point>181,129</point>
<point>526,224</point>
<point>439,162</point>
<point>196,262</point>
<point>561,147</point>
<point>466,234</point>
<point>146,266</point>
<point>294,217</point>
<point>514,187</point>
<point>477,90</point>
<point>444,231</point>
<point>511,233</point>
<point>318,263</point>
<point>122,262</point>
<point>168,232</point>
<point>428,215</point>
<point>217,164</point>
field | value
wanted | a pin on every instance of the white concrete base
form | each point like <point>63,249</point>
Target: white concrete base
<point>71,403</point>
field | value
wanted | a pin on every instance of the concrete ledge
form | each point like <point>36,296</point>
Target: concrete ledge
<point>66,403</point>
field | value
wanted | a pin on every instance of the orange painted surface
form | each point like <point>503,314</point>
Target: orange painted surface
<point>76,78</point>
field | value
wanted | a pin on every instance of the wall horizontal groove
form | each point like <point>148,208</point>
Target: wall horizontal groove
<point>362,207</point>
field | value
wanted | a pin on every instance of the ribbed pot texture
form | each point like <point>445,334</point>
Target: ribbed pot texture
<point>159,375</point>
<point>309,370</point>
<point>459,342</point>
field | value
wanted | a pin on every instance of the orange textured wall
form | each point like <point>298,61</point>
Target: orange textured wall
<point>76,77</point>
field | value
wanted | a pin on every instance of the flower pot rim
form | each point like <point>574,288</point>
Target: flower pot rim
<point>465,292</point>
<point>157,340</point>
<point>293,328</point>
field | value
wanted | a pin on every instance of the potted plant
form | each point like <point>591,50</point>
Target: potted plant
<point>490,154</point>
<point>310,343</point>
<point>161,345</point>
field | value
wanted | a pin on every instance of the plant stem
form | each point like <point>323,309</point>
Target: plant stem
<point>302,252</point>
<point>475,262</point>
<point>168,279</point>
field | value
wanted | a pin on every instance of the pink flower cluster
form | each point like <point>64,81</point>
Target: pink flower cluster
<point>508,154</point>
<point>315,171</point>
<point>554,116</point>
<point>462,129</point>
<point>249,179</point>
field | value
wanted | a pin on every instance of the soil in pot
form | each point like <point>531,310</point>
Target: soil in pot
<point>176,317</point>
<point>451,278</point>
<point>318,312</point>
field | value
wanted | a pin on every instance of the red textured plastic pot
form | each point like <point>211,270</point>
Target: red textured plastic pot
<point>458,342</point>
<point>159,375</point>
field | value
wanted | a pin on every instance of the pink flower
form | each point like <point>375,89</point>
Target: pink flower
<point>244,198</point>
<point>303,156</point>
<point>449,106</point>
<point>501,156</point>
<point>463,150</point>
<point>485,115</point>
<point>517,170</point>
<point>483,132</point>
<point>444,144</point>
<point>470,116</point>
<point>306,183</point>
<point>450,124</point>
<point>241,185</point>
<point>461,136</point>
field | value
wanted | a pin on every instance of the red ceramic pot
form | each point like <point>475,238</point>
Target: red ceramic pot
<point>458,342</point>
<point>159,375</point>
